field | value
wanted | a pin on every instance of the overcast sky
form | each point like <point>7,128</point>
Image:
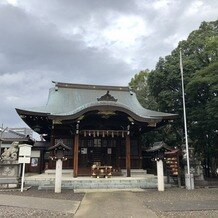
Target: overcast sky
<point>85,41</point>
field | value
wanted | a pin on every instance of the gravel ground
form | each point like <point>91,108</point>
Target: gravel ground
<point>190,214</point>
<point>16,212</point>
<point>34,192</point>
<point>172,203</point>
<point>6,211</point>
<point>176,202</point>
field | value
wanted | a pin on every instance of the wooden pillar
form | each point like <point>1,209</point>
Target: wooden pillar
<point>52,137</point>
<point>75,155</point>
<point>128,161</point>
<point>139,144</point>
<point>118,155</point>
<point>50,164</point>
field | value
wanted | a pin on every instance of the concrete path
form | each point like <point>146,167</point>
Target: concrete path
<point>113,204</point>
<point>66,206</point>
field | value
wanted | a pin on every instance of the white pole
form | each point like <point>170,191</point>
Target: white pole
<point>58,175</point>
<point>22,181</point>
<point>160,175</point>
<point>189,177</point>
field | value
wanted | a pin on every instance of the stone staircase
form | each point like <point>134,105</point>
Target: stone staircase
<point>45,182</point>
<point>65,172</point>
<point>135,172</point>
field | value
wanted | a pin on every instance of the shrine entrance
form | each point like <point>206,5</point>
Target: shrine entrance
<point>99,123</point>
<point>106,148</point>
<point>98,150</point>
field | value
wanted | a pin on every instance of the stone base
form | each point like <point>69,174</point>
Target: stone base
<point>9,172</point>
<point>64,172</point>
<point>45,182</point>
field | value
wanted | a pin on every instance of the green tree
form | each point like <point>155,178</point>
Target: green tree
<point>139,85</point>
<point>203,116</point>
<point>200,62</point>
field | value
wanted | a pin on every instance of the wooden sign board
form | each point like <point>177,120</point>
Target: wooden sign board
<point>25,150</point>
<point>83,150</point>
<point>24,160</point>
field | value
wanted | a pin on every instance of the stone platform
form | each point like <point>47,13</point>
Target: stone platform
<point>47,181</point>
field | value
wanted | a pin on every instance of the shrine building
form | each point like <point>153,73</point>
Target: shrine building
<point>101,124</point>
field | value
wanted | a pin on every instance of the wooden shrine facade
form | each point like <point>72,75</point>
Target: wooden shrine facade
<point>99,138</point>
<point>111,148</point>
<point>101,124</point>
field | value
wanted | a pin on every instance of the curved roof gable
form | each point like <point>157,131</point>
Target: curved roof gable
<point>71,100</point>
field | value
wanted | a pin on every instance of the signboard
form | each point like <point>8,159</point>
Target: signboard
<point>109,151</point>
<point>34,161</point>
<point>172,162</point>
<point>35,154</point>
<point>24,160</point>
<point>172,166</point>
<point>83,150</point>
<point>25,150</point>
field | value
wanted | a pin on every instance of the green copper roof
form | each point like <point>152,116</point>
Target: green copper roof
<point>69,101</point>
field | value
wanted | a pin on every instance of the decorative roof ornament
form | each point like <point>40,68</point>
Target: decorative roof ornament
<point>60,146</point>
<point>107,97</point>
<point>158,146</point>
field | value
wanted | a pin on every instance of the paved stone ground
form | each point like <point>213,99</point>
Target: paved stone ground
<point>117,204</point>
<point>67,206</point>
<point>172,203</point>
<point>34,192</point>
<point>10,209</point>
<point>176,203</point>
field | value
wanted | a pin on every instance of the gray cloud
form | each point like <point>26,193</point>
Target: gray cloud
<point>29,44</point>
<point>101,42</point>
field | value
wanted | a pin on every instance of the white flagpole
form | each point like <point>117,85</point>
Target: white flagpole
<point>189,178</point>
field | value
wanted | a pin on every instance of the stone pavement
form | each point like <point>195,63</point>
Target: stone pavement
<point>172,203</point>
<point>177,203</point>
<point>66,206</point>
<point>185,205</point>
<point>113,204</point>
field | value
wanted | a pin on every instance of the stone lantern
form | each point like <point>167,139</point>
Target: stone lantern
<point>157,151</point>
<point>58,151</point>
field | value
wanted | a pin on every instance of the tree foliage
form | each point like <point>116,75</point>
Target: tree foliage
<point>202,111</point>
<point>139,85</point>
<point>163,85</point>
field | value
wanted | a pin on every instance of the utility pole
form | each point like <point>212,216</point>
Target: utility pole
<point>189,180</point>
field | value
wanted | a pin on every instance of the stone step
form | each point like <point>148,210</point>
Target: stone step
<point>135,172</point>
<point>91,183</point>
<point>64,171</point>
